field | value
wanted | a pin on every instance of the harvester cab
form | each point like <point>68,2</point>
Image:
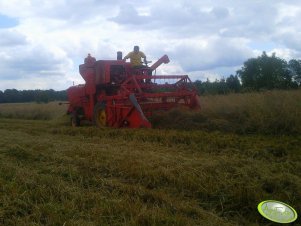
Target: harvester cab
<point>117,95</point>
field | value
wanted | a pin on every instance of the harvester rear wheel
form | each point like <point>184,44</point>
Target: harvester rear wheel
<point>99,115</point>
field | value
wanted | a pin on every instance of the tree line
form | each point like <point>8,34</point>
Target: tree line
<point>39,96</point>
<point>261,73</point>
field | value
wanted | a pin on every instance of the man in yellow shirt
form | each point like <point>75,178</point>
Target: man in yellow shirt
<point>135,57</point>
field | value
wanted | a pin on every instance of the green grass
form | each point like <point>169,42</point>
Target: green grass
<point>52,174</point>
<point>272,112</point>
<point>32,111</point>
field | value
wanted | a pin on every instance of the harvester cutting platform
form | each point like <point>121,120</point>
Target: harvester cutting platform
<point>117,95</point>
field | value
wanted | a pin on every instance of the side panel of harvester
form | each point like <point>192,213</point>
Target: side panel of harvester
<point>99,100</point>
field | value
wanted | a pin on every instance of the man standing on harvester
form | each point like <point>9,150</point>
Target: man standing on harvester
<point>135,58</point>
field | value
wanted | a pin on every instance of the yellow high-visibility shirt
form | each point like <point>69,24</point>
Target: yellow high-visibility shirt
<point>135,58</point>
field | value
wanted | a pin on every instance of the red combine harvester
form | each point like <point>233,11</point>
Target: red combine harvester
<point>117,95</point>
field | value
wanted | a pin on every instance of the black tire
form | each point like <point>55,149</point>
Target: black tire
<point>99,115</point>
<point>75,120</point>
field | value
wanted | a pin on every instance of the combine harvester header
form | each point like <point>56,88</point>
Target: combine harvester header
<point>117,95</point>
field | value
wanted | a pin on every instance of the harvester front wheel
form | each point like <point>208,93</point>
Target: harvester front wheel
<point>99,115</point>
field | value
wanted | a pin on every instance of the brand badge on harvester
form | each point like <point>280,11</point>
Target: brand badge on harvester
<point>277,211</point>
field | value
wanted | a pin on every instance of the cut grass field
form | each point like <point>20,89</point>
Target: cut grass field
<point>52,174</point>
<point>32,111</point>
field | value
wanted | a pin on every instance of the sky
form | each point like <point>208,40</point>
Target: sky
<point>42,42</point>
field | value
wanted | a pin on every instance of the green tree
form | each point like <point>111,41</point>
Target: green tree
<point>1,97</point>
<point>19,96</point>
<point>11,96</point>
<point>222,87</point>
<point>295,68</point>
<point>199,87</point>
<point>249,74</point>
<point>265,72</point>
<point>233,83</point>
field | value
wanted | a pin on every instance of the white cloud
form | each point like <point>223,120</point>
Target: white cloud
<point>11,38</point>
<point>211,53</point>
<point>205,39</point>
<point>285,53</point>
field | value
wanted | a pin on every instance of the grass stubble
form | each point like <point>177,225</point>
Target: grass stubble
<point>52,174</point>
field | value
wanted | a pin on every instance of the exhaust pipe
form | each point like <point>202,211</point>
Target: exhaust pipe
<point>119,55</point>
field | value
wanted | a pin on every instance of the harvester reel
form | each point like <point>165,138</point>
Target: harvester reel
<point>99,115</point>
